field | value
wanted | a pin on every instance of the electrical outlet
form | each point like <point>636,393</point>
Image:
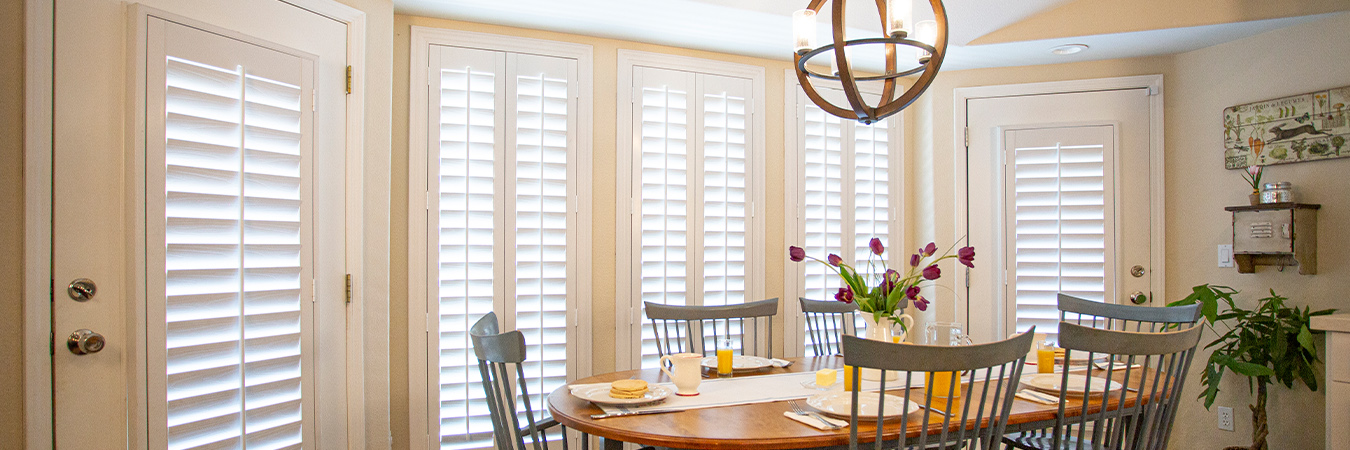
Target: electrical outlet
<point>1225,418</point>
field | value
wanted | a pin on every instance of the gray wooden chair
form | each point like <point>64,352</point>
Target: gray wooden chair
<point>495,350</point>
<point>979,424</point>
<point>695,329</point>
<point>1139,413</point>
<point>826,321</point>
<point>1126,317</point>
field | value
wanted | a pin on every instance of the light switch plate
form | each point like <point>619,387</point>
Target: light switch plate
<point>1226,255</point>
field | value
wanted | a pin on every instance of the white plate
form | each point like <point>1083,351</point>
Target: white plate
<point>600,394</point>
<point>840,404</point>
<point>1049,382</point>
<point>740,363</point>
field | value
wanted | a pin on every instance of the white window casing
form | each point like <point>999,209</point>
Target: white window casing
<point>691,190</point>
<point>500,220</point>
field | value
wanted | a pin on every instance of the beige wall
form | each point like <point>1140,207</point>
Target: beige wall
<point>604,197</point>
<point>1279,63</point>
<point>11,220</point>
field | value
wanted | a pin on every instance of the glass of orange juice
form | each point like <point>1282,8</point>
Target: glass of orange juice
<point>724,357</point>
<point>940,384</point>
<point>848,378</point>
<point>1045,357</point>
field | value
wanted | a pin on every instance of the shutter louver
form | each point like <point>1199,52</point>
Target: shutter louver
<point>871,190</point>
<point>664,209</point>
<point>824,196</point>
<point>467,124</point>
<point>542,146</point>
<point>1060,231</point>
<point>725,209</point>
<point>233,242</point>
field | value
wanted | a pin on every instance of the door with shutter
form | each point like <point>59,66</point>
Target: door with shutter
<point>216,240</point>
<point>691,196</point>
<point>1061,198</point>
<point>502,227</point>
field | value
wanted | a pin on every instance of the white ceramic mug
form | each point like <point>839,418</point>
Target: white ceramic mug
<point>688,372</point>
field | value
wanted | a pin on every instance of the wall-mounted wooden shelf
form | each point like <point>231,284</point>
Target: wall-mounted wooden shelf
<point>1275,234</point>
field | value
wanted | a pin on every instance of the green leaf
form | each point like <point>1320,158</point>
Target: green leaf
<point>1305,339</point>
<point>1249,369</point>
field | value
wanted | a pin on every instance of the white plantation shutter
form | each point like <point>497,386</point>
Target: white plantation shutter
<point>823,184</point>
<point>467,83</point>
<point>871,190</point>
<point>693,131</point>
<point>1059,192</point>
<point>503,148</point>
<point>846,193</point>
<point>229,177</point>
<point>543,138</point>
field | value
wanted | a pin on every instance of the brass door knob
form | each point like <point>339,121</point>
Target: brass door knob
<point>84,342</point>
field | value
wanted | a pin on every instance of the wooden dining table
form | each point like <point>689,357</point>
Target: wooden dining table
<point>762,425</point>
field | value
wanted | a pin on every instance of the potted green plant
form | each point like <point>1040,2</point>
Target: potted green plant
<point>1271,343</point>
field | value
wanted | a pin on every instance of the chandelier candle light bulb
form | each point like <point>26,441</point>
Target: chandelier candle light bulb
<point>925,32</point>
<point>803,30</point>
<point>898,16</point>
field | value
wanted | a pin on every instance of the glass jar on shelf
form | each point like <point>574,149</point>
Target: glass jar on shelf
<point>1279,192</point>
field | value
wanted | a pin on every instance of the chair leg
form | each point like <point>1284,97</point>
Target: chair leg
<point>564,436</point>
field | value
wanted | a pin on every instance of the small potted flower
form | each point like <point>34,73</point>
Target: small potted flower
<point>880,294</point>
<point>1253,177</point>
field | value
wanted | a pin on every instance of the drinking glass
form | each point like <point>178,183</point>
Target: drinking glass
<point>949,334</point>
<point>1045,357</point>
<point>724,356</point>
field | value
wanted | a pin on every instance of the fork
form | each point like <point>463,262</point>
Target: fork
<point>801,411</point>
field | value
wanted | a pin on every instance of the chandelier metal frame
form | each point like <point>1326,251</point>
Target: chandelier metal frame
<point>858,109</point>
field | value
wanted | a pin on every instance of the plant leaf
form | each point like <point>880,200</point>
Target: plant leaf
<point>1305,339</point>
<point>1248,369</point>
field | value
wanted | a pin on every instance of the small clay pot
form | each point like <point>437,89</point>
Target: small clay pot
<point>1254,198</point>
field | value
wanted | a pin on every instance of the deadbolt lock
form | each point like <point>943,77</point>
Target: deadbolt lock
<point>84,342</point>
<point>82,289</point>
<point>1137,271</point>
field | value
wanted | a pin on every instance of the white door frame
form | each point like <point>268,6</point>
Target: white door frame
<point>1157,271</point>
<point>39,23</point>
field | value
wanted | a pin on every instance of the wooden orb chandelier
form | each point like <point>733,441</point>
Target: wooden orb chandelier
<point>929,39</point>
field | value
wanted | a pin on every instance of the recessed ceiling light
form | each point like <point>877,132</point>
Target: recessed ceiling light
<point>1068,49</point>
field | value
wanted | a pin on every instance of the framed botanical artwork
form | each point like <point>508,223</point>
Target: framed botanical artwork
<point>1305,127</point>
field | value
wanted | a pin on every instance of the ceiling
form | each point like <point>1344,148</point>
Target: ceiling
<point>762,28</point>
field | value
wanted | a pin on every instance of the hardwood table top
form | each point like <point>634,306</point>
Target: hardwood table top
<point>760,425</point>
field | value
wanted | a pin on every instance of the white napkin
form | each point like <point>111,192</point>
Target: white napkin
<point>574,387</point>
<point>1038,397</point>
<point>779,362</point>
<point>811,421</point>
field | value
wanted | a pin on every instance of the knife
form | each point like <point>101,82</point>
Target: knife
<point>633,413</point>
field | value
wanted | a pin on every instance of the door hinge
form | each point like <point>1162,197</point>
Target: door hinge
<point>349,289</point>
<point>51,343</point>
<point>349,79</point>
<point>967,278</point>
<point>1152,90</point>
<point>967,136</point>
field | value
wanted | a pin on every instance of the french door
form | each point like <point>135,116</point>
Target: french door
<point>1063,196</point>
<point>201,188</point>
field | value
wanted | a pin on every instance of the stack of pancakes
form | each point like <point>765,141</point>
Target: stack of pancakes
<point>628,389</point>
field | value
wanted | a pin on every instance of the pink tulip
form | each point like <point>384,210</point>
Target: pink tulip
<point>877,248</point>
<point>796,254</point>
<point>932,272</point>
